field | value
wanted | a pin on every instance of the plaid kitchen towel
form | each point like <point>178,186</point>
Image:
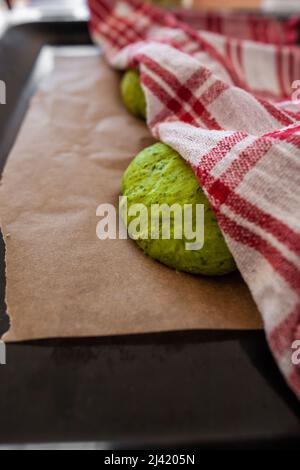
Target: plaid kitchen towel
<point>225,105</point>
<point>244,25</point>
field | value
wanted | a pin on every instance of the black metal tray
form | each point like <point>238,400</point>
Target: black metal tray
<point>189,389</point>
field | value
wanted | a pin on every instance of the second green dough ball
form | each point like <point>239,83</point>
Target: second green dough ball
<point>158,175</point>
<point>133,94</point>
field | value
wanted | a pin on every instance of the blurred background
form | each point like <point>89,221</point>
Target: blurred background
<point>271,5</point>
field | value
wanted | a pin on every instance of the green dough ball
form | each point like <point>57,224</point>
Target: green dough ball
<point>158,175</point>
<point>133,94</point>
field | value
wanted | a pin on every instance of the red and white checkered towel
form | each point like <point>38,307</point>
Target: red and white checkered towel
<point>226,107</point>
<point>244,25</point>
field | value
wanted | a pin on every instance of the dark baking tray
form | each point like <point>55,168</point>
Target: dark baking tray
<point>191,389</point>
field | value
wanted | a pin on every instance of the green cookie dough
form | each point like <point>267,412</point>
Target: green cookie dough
<point>133,94</point>
<point>158,175</point>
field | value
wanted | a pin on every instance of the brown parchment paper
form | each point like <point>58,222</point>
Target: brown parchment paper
<point>62,281</point>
